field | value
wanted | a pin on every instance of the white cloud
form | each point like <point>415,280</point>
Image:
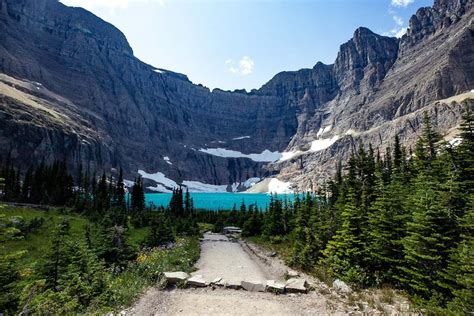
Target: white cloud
<point>244,67</point>
<point>399,29</point>
<point>402,3</point>
<point>401,32</point>
<point>398,20</point>
<point>110,4</point>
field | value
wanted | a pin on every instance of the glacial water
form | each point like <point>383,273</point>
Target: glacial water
<point>218,201</point>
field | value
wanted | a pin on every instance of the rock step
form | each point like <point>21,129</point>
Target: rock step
<point>293,285</point>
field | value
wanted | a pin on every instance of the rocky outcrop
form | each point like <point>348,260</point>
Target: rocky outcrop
<point>363,61</point>
<point>104,108</point>
<point>146,113</point>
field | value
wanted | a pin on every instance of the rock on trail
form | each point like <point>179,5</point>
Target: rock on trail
<point>227,262</point>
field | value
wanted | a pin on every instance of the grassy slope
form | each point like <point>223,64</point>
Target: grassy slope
<point>38,242</point>
<point>122,289</point>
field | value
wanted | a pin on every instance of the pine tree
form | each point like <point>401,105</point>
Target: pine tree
<point>188,204</point>
<point>343,254</point>
<point>26,187</point>
<point>57,260</point>
<point>84,278</point>
<point>102,195</point>
<point>387,225</point>
<point>138,197</point>
<point>426,244</point>
<point>119,196</point>
<point>161,232</point>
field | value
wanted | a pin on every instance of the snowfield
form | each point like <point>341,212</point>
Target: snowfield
<point>265,156</point>
<point>166,185</point>
<point>159,178</point>
<point>279,187</point>
<point>128,183</point>
<point>316,145</point>
<point>196,186</point>
<point>321,144</point>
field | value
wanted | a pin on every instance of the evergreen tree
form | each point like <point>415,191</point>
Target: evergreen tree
<point>426,245</point>
<point>387,226</point>
<point>138,202</point>
<point>188,204</point>
<point>343,254</point>
<point>57,260</point>
<point>161,232</point>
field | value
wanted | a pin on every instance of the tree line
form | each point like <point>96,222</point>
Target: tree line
<point>401,217</point>
<point>75,270</point>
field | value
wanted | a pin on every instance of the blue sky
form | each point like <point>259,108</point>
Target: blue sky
<point>235,44</point>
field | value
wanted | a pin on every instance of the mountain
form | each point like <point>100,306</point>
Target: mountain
<point>71,88</point>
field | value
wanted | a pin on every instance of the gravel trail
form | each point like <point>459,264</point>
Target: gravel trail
<point>232,260</point>
<point>222,258</point>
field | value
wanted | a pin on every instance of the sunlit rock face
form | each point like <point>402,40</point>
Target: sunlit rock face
<point>71,88</point>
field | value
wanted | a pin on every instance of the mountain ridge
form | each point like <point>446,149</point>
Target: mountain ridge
<point>143,114</point>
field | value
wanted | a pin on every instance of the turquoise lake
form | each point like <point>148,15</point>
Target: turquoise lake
<point>217,201</point>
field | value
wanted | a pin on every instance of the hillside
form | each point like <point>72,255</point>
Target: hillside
<point>71,88</point>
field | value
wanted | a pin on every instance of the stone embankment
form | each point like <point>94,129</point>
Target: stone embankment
<point>292,285</point>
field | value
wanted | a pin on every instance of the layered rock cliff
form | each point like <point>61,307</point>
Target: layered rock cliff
<point>71,88</point>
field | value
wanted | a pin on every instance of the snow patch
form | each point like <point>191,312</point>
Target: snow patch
<point>165,185</point>
<point>279,187</point>
<point>316,145</point>
<point>251,182</point>
<point>265,156</point>
<point>323,131</point>
<point>128,183</point>
<point>287,155</point>
<point>167,159</point>
<point>159,71</point>
<point>247,184</point>
<point>159,188</point>
<point>159,178</point>
<point>350,132</point>
<point>321,144</point>
<point>241,137</point>
<point>196,186</point>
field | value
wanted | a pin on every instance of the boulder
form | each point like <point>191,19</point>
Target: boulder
<point>253,286</point>
<point>296,285</point>
<point>175,277</point>
<point>341,286</point>
<point>221,282</point>
<point>275,287</point>
<point>217,281</point>
<point>197,281</point>
<point>292,273</point>
<point>233,284</point>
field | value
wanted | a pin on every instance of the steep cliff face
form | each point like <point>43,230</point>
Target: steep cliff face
<point>433,61</point>
<point>71,88</point>
<point>146,114</point>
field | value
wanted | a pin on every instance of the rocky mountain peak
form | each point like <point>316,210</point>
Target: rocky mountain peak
<point>364,60</point>
<point>122,112</point>
<point>56,19</point>
<point>429,20</point>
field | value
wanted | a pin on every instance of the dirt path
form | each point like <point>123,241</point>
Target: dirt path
<point>222,258</point>
<point>231,260</point>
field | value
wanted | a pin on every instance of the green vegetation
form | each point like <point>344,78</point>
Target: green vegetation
<point>91,253</point>
<point>37,258</point>
<point>397,218</point>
